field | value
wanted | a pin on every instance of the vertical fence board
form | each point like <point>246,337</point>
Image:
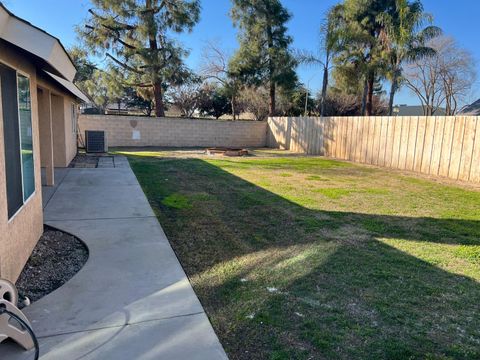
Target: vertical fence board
<point>355,141</point>
<point>364,134</point>
<point>339,137</point>
<point>383,141</point>
<point>402,158</point>
<point>318,136</point>
<point>343,153</point>
<point>467,148</point>
<point>439,134</point>
<point>327,139</point>
<point>445,153</point>
<point>457,146</point>
<point>411,143</point>
<point>334,129</point>
<point>429,138</point>
<point>475,170</point>
<point>390,140</point>
<point>397,142</point>
<point>348,140</point>
<point>376,139</point>
<point>421,129</point>
<point>371,140</point>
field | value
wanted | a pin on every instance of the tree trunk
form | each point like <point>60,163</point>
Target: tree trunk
<point>370,90</point>
<point>364,96</point>
<point>158,95</point>
<point>324,90</point>
<point>272,99</point>
<point>233,107</point>
<point>271,70</point>
<point>393,90</point>
<point>157,83</point>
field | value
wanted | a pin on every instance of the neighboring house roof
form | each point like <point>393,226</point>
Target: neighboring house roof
<point>416,110</point>
<point>46,49</point>
<point>472,109</point>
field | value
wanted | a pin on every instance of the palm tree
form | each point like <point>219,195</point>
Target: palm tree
<point>329,45</point>
<point>405,39</point>
<point>363,33</point>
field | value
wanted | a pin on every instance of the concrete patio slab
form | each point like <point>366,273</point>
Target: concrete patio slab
<point>110,193</point>
<point>187,337</point>
<point>48,191</point>
<point>132,275</point>
<point>132,299</point>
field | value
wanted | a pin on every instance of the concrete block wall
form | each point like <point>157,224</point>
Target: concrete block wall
<point>142,131</point>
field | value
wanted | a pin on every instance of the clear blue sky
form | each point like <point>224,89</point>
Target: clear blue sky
<point>457,18</point>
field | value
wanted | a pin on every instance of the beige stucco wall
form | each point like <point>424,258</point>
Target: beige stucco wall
<point>19,236</point>
<point>64,139</point>
<point>121,131</point>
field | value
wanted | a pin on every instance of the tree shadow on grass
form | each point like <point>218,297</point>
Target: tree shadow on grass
<point>282,281</point>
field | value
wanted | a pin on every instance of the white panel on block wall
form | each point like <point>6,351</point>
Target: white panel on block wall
<point>136,135</point>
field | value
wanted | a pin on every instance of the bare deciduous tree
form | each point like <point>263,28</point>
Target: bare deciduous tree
<point>186,97</point>
<point>444,79</point>
<point>215,67</point>
<point>255,101</point>
<point>458,74</point>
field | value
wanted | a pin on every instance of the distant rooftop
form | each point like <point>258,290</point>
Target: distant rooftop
<point>472,109</point>
<point>414,110</point>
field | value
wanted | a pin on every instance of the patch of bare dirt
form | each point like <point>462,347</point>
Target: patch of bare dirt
<point>57,257</point>
<point>85,161</point>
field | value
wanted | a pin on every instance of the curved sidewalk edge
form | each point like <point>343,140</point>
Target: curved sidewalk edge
<point>132,299</point>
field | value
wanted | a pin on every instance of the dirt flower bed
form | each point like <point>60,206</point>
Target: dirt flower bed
<point>57,257</point>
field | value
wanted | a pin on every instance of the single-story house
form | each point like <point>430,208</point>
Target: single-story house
<point>414,110</point>
<point>38,129</point>
<point>473,109</point>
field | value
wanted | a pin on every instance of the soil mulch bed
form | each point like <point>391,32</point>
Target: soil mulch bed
<point>57,257</point>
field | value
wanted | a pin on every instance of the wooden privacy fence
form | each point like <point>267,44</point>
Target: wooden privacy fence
<point>437,145</point>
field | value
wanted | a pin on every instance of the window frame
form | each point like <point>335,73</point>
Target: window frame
<point>29,77</point>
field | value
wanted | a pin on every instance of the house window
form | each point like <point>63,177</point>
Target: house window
<point>18,138</point>
<point>74,118</point>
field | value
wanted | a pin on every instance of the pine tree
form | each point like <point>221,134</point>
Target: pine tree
<point>135,36</point>
<point>264,56</point>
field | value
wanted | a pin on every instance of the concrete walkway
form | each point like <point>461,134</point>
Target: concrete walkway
<point>132,299</point>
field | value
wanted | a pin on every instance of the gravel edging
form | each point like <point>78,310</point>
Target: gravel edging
<point>56,258</point>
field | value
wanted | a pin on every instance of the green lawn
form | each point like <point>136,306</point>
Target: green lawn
<point>309,258</point>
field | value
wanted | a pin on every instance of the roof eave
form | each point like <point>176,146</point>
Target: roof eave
<point>37,42</point>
